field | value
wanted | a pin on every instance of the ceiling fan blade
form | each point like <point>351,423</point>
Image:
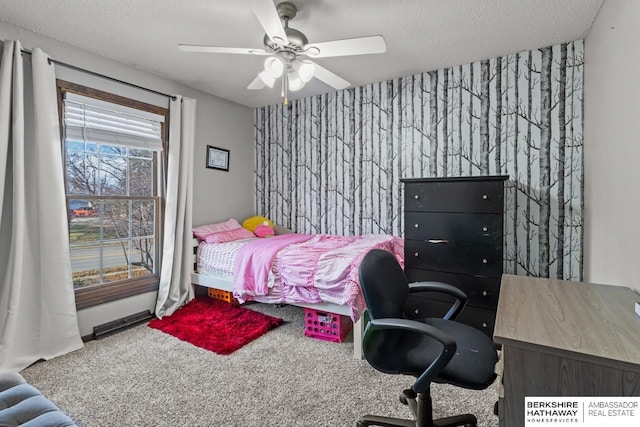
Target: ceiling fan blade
<point>268,16</point>
<point>220,49</point>
<point>358,46</point>
<point>256,84</point>
<point>330,78</point>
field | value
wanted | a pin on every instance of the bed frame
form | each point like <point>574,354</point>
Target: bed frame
<point>226,284</point>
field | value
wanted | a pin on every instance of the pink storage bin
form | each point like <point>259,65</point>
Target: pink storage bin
<point>326,326</point>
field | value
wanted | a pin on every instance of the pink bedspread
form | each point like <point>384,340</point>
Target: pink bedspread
<point>254,261</point>
<point>310,268</point>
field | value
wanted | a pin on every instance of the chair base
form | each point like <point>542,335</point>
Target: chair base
<point>421,407</point>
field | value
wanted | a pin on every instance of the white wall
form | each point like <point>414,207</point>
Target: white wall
<point>612,146</point>
<point>218,195</point>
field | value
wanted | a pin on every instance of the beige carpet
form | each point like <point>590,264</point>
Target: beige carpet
<point>143,377</point>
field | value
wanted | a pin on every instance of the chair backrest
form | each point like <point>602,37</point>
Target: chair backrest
<point>384,284</point>
<point>385,289</point>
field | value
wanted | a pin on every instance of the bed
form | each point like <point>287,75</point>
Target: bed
<point>317,271</point>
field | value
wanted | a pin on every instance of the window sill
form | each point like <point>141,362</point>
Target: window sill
<point>100,294</point>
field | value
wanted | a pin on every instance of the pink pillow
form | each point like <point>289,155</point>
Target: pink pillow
<point>204,230</point>
<point>228,235</point>
<point>264,231</point>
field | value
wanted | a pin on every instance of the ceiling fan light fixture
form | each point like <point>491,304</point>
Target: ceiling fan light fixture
<point>295,81</point>
<point>273,66</point>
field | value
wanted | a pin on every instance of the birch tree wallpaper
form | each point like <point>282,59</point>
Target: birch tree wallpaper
<point>333,163</point>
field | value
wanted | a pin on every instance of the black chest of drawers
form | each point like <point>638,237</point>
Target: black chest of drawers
<point>454,234</point>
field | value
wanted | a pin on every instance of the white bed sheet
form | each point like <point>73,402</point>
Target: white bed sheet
<point>217,258</point>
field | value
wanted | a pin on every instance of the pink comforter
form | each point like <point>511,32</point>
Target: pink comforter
<point>309,268</point>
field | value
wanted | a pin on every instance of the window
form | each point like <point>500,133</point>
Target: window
<point>113,148</point>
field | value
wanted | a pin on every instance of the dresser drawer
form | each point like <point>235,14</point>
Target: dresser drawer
<point>452,196</point>
<point>480,318</point>
<point>479,260</point>
<point>454,227</point>
<point>481,291</point>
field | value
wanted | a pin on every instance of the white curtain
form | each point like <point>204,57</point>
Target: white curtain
<point>177,255</point>
<point>37,307</point>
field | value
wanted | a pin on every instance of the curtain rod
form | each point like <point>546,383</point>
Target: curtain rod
<point>93,73</point>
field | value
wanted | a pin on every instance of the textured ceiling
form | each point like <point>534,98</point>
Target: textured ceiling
<point>421,35</point>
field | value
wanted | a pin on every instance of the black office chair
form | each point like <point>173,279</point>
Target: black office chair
<point>432,350</point>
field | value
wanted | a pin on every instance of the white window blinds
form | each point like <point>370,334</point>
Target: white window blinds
<point>91,120</point>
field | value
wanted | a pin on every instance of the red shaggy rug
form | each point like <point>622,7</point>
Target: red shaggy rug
<point>216,325</point>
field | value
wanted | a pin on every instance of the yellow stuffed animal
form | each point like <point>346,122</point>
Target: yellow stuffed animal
<point>252,222</point>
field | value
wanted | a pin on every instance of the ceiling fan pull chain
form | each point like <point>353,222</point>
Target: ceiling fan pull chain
<point>282,86</point>
<point>285,80</point>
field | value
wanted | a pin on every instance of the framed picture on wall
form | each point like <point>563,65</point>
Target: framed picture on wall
<point>217,158</point>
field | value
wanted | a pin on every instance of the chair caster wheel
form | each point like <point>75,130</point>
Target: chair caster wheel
<point>403,399</point>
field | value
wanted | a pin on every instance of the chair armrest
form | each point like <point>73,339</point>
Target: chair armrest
<point>448,346</point>
<point>438,287</point>
<point>445,288</point>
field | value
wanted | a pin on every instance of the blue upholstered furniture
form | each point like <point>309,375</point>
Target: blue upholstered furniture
<point>21,404</point>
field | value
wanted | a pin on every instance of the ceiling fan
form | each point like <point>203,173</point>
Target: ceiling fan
<point>289,51</point>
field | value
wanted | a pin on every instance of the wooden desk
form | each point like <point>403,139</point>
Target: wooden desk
<point>563,338</point>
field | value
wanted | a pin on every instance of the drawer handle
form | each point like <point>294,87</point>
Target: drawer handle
<point>416,225</point>
<point>485,197</point>
<point>416,197</point>
<point>484,324</point>
<point>417,254</point>
<point>484,260</point>
<point>437,241</point>
<point>484,293</point>
<point>485,228</point>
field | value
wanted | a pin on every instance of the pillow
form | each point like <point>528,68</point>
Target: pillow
<point>204,230</point>
<point>228,235</point>
<point>252,222</point>
<point>279,229</point>
<point>264,231</point>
